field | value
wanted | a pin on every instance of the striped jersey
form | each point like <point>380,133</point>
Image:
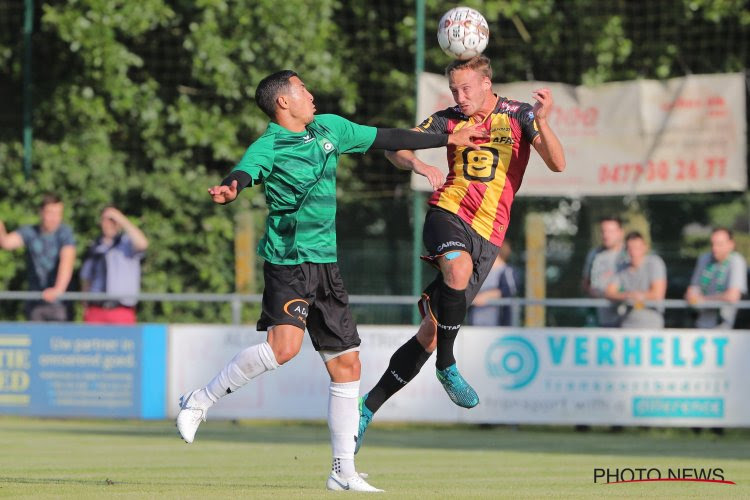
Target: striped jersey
<point>481,184</point>
<point>298,172</point>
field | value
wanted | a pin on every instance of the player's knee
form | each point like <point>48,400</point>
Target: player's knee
<point>346,366</point>
<point>285,352</point>
<point>457,272</point>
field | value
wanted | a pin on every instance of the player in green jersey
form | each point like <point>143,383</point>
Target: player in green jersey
<point>295,160</point>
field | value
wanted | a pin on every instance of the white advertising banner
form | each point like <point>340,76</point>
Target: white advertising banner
<point>683,135</point>
<point>670,377</point>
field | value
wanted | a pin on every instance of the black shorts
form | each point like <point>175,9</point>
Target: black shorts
<point>445,232</point>
<point>309,296</point>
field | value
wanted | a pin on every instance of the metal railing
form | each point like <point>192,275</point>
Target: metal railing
<point>237,300</point>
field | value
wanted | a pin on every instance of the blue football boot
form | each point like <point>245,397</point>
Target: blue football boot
<point>457,388</point>
<point>365,417</point>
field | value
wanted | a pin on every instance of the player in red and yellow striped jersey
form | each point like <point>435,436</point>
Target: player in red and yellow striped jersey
<point>467,220</point>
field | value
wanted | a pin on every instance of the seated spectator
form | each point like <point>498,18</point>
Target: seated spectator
<point>719,276</point>
<point>113,265</point>
<point>642,280</point>
<point>50,256</point>
<point>601,265</point>
<point>503,280</point>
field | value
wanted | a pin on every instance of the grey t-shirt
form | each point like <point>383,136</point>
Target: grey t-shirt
<point>599,269</point>
<point>713,277</point>
<point>640,279</point>
<point>114,268</point>
<point>43,253</point>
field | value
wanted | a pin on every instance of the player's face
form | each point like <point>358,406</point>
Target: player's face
<point>611,233</point>
<point>301,104</point>
<point>51,216</point>
<point>470,89</point>
<point>721,245</point>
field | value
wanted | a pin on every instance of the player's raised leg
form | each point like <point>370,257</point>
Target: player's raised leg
<point>448,300</point>
<point>344,368</point>
<point>282,344</point>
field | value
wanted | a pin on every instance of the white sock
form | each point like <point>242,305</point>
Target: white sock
<point>244,367</point>
<point>343,422</point>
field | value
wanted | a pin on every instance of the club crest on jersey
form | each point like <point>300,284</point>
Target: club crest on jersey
<point>327,145</point>
<point>297,308</point>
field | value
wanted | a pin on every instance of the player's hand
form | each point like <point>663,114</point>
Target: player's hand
<point>543,103</point>
<point>223,194</point>
<point>434,175</point>
<point>467,135</point>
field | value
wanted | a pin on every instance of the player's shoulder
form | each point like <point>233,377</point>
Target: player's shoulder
<point>443,120</point>
<point>452,113</point>
<point>267,139</point>
<point>517,109</point>
<point>329,120</point>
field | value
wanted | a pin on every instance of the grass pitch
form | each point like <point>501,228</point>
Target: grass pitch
<point>44,458</point>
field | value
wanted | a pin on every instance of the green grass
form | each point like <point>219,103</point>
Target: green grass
<point>44,458</point>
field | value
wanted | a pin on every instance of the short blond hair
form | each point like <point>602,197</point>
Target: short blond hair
<point>481,64</point>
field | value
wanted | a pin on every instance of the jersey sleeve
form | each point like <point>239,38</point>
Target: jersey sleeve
<point>67,238</point>
<point>436,123</point>
<point>525,118</point>
<point>657,270</point>
<point>27,233</point>
<point>352,137</point>
<point>257,162</point>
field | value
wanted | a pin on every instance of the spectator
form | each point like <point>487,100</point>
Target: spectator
<point>50,256</point>
<point>643,279</point>
<point>503,280</point>
<point>113,265</point>
<point>720,276</point>
<point>601,265</point>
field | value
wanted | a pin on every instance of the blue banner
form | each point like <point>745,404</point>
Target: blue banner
<point>61,370</point>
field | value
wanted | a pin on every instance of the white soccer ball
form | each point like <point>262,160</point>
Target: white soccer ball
<point>463,33</point>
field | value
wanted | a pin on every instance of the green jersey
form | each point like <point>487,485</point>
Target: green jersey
<point>298,172</point>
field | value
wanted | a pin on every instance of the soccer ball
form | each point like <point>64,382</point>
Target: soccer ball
<point>463,33</point>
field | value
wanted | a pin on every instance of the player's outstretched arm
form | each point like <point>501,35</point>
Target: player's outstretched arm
<point>394,139</point>
<point>546,143</point>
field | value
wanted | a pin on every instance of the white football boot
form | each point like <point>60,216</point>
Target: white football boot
<point>190,417</point>
<point>355,483</point>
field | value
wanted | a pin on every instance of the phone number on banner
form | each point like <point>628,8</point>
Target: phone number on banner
<point>662,170</point>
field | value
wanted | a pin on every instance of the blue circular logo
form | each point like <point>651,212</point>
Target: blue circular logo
<point>513,360</point>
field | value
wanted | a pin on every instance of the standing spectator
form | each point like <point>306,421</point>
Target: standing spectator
<point>720,276</point>
<point>643,279</point>
<point>50,256</point>
<point>503,280</point>
<point>113,265</point>
<point>601,265</point>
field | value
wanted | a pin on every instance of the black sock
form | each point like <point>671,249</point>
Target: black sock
<point>404,366</point>
<point>450,311</point>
